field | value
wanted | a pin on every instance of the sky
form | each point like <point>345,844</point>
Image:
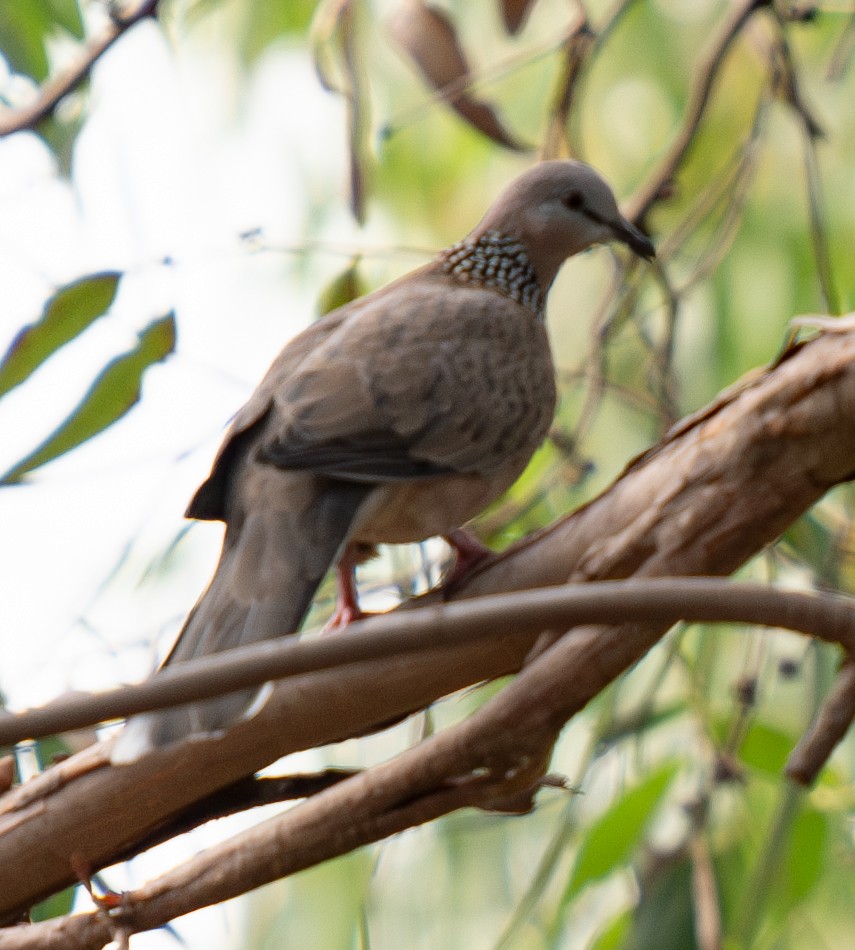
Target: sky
<point>176,162</point>
<point>161,171</point>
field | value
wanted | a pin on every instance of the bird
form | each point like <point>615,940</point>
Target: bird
<point>397,417</point>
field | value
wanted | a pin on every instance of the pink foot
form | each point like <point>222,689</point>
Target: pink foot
<point>346,602</point>
<point>468,550</point>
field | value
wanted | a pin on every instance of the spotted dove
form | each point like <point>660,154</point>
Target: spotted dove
<point>395,418</point>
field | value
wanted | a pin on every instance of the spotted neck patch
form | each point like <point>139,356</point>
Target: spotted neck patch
<point>496,261</point>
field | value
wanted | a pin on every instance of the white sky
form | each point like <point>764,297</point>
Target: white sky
<point>166,166</point>
<point>161,170</point>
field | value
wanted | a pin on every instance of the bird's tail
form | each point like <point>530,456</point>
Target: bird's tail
<point>271,565</point>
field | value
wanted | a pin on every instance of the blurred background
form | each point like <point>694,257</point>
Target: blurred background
<point>227,171</point>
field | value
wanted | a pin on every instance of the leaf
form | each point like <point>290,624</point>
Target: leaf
<point>59,131</point>
<point>24,26</point>
<point>66,13</point>
<point>807,855</point>
<point>58,905</point>
<point>334,28</point>
<point>266,21</point>
<point>344,287</point>
<point>429,37</point>
<point>766,749</point>
<point>614,935</point>
<point>614,836</point>
<point>115,390</point>
<point>811,540</point>
<point>70,311</point>
<point>664,915</point>
<point>27,25</point>
<point>515,13</point>
<point>325,25</point>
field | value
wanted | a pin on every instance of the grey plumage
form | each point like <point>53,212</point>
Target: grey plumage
<point>395,418</point>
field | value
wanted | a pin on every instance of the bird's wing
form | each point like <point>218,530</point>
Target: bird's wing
<point>426,378</point>
<point>209,502</point>
<point>422,378</point>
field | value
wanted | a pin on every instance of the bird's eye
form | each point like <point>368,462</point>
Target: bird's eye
<point>573,200</point>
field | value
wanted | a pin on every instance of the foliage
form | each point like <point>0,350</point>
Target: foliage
<point>679,766</point>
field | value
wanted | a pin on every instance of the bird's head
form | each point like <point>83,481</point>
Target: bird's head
<point>557,209</point>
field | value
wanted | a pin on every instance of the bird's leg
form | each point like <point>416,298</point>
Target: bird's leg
<point>346,599</point>
<point>112,904</point>
<point>468,552</point>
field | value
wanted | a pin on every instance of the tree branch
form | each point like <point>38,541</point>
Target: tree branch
<point>831,725</point>
<point>57,87</point>
<point>649,193</point>
<point>825,616</point>
<point>714,491</point>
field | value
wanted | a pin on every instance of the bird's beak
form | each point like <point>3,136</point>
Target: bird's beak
<point>634,238</point>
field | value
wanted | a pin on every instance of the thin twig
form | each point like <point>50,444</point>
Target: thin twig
<point>791,91</point>
<point>826,616</point>
<point>600,35</point>
<point>57,87</point>
<point>727,193</point>
<point>832,723</point>
<point>644,199</point>
<point>705,900</point>
<point>577,48</point>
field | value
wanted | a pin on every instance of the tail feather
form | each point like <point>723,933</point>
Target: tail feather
<point>271,565</point>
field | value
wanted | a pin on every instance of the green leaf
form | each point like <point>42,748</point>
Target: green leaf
<point>614,836</point>
<point>57,905</point>
<point>664,916</point>
<point>614,935</point>
<point>59,132</point>
<point>344,287</point>
<point>66,13</point>
<point>24,26</point>
<point>70,311</point>
<point>766,749</point>
<point>267,21</point>
<point>807,854</point>
<point>115,390</point>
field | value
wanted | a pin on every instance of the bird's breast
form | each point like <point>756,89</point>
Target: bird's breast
<point>405,512</point>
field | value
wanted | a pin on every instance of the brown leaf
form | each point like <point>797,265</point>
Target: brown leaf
<point>429,37</point>
<point>515,13</point>
<point>334,44</point>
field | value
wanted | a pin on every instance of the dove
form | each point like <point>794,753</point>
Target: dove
<point>397,417</point>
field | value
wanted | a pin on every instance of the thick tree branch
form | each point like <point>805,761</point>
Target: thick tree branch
<point>717,489</point>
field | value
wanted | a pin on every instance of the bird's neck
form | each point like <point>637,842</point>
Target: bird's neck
<point>498,262</point>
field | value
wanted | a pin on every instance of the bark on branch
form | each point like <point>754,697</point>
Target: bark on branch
<point>720,486</point>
